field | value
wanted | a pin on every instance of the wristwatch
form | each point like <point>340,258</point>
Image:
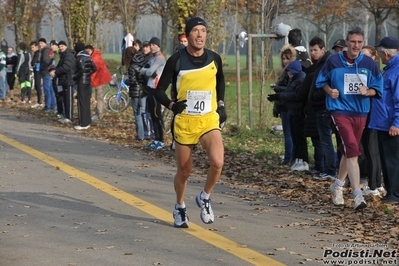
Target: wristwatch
<point>220,104</point>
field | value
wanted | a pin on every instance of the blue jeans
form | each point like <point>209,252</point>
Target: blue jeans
<point>3,84</point>
<point>138,105</point>
<point>49,96</point>
<point>325,127</point>
<point>288,145</point>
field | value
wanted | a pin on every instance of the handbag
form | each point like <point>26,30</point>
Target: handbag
<point>149,132</point>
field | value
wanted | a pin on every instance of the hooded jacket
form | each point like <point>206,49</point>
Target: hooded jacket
<point>346,78</point>
<point>84,68</point>
<point>135,80</point>
<point>66,68</point>
<point>290,94</point>
<point>385,111</point>
<point>102,75</point>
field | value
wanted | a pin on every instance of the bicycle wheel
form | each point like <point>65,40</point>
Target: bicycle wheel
<point>109,92</point>
<point>116,105</point>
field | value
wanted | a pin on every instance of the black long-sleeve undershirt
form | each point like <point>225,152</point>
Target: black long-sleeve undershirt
<point>169,75</point>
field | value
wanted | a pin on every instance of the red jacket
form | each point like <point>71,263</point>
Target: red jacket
<point>102,75</point>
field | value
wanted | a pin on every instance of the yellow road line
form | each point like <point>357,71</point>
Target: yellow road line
<point>212,238</point>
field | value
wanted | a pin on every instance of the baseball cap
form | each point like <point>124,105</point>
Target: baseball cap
<point>339,43</point>
<point>389,43</point>
<point>53,42</point>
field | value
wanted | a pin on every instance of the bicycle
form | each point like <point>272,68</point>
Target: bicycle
<point>110,89</point>
<point>120,101</point>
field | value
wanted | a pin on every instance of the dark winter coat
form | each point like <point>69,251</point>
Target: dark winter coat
<point>66,68</point>
<point>84,68</point>
<point>317,98</point>
<point>135,80</point>
<point>45,61</point>
<point>291,93</point>
<point>12,60</point>
<point>282,81</point>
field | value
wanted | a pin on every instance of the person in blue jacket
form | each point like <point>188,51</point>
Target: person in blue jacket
<point>384,117</point>
<point>349,78</point>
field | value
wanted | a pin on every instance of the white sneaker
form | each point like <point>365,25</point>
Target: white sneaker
<point>368,191</point>
<point>181,218</point>
<point>94,117</point>
<point>206,214</point>
<point>295,164</point>
<point>81,128</point>
<point>8,101</point>
<point>37,105</point>
<point>338,195</point>
<point>360,203</point>
<point>303,167</point>
<point>65,121</point>
<point>29,102</point>
<point>21,102</point>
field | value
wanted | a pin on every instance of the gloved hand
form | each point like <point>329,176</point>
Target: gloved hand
<point>178,107</point>
<point>273,97</point>
<point>222,114</point>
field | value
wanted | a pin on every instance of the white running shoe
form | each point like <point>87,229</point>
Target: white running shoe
<point>181,217</point>
<point>360,203</point>
<point>338,195</point>
<point>206,214</point>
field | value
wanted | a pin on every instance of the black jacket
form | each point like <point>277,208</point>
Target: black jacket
<point>12,61</point>
<point>291,95</point>
<point>45,60</point>
<point>135,81</point>
<point>66,68</point>
<point>316,97</point>
<point>84,68</point>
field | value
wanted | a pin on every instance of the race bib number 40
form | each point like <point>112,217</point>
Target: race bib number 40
<point>199,102</point>
<point>352,82</point>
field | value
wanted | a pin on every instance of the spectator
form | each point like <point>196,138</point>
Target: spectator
<point>11,62</point>
<point>3,76</point>
<point>137,93</point>
<point>58,92</point>
<point>350,78</point>
<point>324,123</point>
<point>63,74</point>
<point>35,65</point>
<point>339,46</point>
<point>153,72</point>
<point>295,39</point>
<point>98,80</point>
<point>45,61</point>
<point>83,71</point>
<point>384,117</point>
<point>295,105</point>
<point>287,56</point>
<point>183,39</point>
<point>23,72</point>
<point>369,161</point>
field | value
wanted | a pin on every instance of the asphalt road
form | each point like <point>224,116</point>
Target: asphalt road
<point>69,200</point>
